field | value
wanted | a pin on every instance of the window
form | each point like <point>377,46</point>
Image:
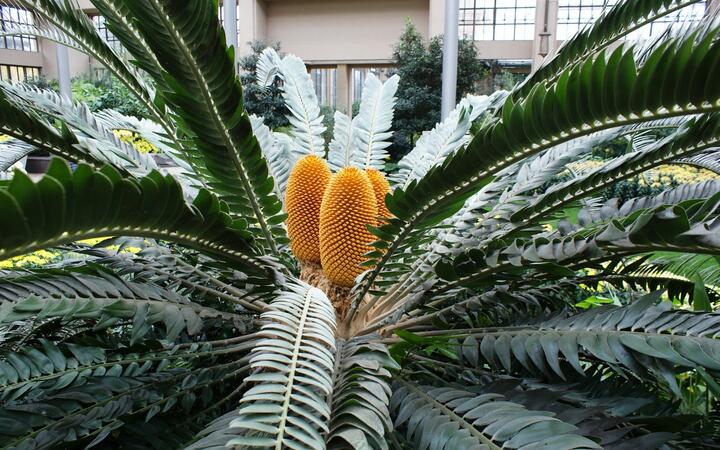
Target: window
<point>358,78</point>
<point>101,27</point>
<point>11,18</point>
<point>497,20</point>
<point>573,15</point>
<point>323,79</point>
<point>18,73</point>
<point>692,13</point>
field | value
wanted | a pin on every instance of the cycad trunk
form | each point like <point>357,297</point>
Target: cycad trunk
<point>339,296</point>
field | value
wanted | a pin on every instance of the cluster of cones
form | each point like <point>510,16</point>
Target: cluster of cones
<point>328,216</point>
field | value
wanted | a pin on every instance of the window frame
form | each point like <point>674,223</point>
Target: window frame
<point>23,42</point>
<point>11,73</point>
<point>479,24</point>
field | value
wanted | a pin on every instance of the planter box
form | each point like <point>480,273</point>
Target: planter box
<point>37,164</point>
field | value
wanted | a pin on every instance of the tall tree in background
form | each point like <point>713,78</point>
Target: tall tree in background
<point>419,64</point>
<point>267,102</point>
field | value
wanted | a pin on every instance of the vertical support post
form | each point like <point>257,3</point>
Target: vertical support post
<point>450,58</point>
<point>342,88</point>
<point>230,24</point>
<point>63,67</point>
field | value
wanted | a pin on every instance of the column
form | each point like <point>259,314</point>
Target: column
<point>450,58</point>
<point>342,88</point>
<point>63,67</point>
<point>230,24</point>
<point>544,41</point>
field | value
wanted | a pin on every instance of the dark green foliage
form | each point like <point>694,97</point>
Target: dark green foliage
<point>266,102</point>
<point>612,149</point>
<point>419,65</point>
<point>486,320</point>
<point>107,93</point>
<point>627,189</point>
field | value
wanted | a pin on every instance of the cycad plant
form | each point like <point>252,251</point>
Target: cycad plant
<point>461,310</point>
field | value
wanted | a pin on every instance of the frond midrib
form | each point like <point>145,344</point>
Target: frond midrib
<point>451,414</point>
<point>182,46</point>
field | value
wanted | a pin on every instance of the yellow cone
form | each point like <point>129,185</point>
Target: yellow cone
<point>381,187</point>
<point>303,198</point>
<point>348,206</point>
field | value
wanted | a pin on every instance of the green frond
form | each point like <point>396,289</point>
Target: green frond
<point>86,203</point>
<point>49,33</point>
<point>200,85</point>
<point>646,338</point>
<point>119,21</point>
<point>683,143</point>
<point>705,160</point>
<point>360,417</point>
<point>612,209</point>
<point>93,136</point>
<point>26,126</point>
<point>201,280</point>
<point>74,23</point>
<point>688,228</point>
<point>616,23</point>
<point>58,393</point>
<point>141,314</point>
<point>624,86</point>
<point>458,419</point>
<point>12,151</point>
<point>287,405</point>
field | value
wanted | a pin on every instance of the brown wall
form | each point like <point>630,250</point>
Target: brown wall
<point>327,31</point>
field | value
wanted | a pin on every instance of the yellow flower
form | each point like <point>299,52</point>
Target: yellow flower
<point>136,141</point>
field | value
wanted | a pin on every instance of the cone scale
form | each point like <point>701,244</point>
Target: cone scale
<point>381,188</point>
<point>348,206</point>
<point>303,198</point>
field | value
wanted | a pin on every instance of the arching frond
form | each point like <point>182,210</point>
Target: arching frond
<point>83,204</point>
<point>614,24</point>
<point>294,360</point>
<point>646,338</point>
<point>552,114</point>
<point>458,419</point>
<point>75,24</point>
<point>12,151</point>
<point>340,149</point>
<point>707,160</point>
<point>360,417</point>
<point>447,137</point>
<point>211,109</point>
<point>371,126</point>
<point>86,392</point>
<point>118,21</point>
<point>611,208</point>
<point>78,117</point>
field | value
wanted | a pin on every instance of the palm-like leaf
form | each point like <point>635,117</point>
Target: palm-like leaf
<point>211,109</point>
<point>287,405</point>
<point>189,316</point>
<point>371,126</point>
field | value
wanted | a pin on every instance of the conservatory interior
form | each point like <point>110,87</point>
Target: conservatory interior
<point>360,224</point>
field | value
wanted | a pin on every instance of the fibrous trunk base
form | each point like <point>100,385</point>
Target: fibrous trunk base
<point>312,274</point>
